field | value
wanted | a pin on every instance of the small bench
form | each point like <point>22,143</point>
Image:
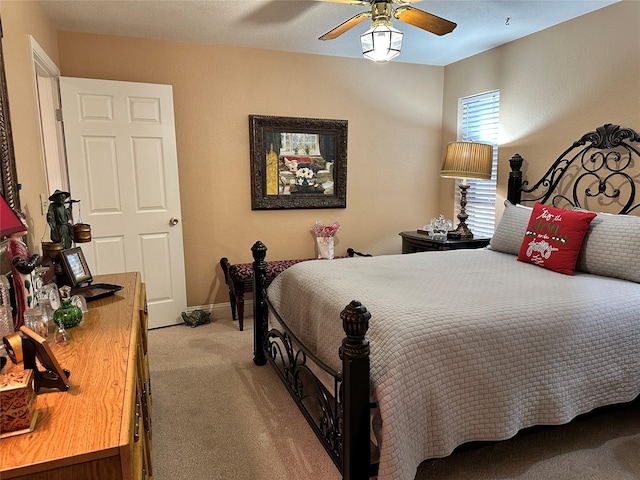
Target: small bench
<point>239,279</point>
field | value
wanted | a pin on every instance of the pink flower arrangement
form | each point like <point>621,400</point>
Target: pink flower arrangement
<point>321,230</point>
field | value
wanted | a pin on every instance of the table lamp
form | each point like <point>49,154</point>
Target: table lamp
<point>466,160</point>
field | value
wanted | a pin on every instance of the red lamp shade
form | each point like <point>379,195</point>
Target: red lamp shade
<point>9,222</point>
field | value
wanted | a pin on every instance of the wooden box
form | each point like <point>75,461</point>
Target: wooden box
<point>17,403</point>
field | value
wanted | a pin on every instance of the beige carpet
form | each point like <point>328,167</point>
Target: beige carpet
<point>218,416</point>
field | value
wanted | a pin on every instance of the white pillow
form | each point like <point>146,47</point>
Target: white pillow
<point>611,247</point>
<point>510,231</point>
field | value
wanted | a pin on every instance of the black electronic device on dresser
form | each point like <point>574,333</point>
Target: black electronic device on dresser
<point>413,242</point>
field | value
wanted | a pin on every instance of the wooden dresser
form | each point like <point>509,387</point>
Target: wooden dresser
<point>101,427</point>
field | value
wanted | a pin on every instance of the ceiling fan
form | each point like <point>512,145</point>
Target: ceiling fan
<point>382,42</point>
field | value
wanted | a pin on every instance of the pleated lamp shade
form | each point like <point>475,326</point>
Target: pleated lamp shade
<point>468,160</point>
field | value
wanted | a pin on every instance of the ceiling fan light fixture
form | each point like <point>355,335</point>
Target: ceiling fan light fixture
<point>381,42</point>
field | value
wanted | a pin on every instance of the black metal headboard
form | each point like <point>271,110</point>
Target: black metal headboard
<point>600,171</point>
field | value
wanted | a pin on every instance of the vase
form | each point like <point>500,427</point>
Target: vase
<point>325,247</point>
<point>68,315</point>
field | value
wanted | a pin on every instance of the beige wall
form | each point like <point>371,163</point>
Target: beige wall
<point>554,86</point>
<point>393,151</point>
<point>19,20</point>
<point>394,114</point>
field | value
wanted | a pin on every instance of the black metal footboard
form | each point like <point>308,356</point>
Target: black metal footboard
<point>341,422</point>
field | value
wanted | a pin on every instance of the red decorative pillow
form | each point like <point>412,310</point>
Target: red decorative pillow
<point>554,237</point>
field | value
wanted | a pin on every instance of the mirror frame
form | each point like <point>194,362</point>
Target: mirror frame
<point>260,125</point>
<point>9,184</point>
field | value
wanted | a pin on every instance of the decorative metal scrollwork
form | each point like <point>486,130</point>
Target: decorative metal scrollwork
<point>597,166</point>
<point>317,403</point>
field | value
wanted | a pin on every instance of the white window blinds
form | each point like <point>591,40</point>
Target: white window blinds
<point>479,123</point>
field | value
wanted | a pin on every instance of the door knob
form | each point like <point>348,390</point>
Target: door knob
<point>173,221</point>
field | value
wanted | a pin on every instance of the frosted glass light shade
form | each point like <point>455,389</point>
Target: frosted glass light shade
<point>381,42</point>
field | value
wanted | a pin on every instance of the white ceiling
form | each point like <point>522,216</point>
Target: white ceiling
<point>295,25</point>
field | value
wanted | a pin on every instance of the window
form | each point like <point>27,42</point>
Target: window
<point>300,144</point>
<point>479,123</point>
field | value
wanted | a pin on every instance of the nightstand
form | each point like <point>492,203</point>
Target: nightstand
<point>413,242</point>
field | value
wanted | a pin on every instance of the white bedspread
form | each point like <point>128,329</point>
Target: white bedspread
<point>470,344</point>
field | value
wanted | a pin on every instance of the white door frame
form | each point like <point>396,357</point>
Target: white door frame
<point>46,85</point>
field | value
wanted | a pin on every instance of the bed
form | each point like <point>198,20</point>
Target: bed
<point>445,348</point>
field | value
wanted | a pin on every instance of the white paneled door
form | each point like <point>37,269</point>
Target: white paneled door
<point>121,151</point>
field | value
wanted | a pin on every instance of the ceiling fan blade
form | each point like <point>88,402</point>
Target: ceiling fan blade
<point>343,27</point>
<point>369,2</point>
<point>425,21</point>
<point>348,2</point>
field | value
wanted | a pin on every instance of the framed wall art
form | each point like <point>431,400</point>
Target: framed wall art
<point>297,162</point>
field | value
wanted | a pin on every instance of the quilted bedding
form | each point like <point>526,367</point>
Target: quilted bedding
<point>470,344</point>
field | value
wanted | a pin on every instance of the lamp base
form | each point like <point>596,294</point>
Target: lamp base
<point>462,232</point>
